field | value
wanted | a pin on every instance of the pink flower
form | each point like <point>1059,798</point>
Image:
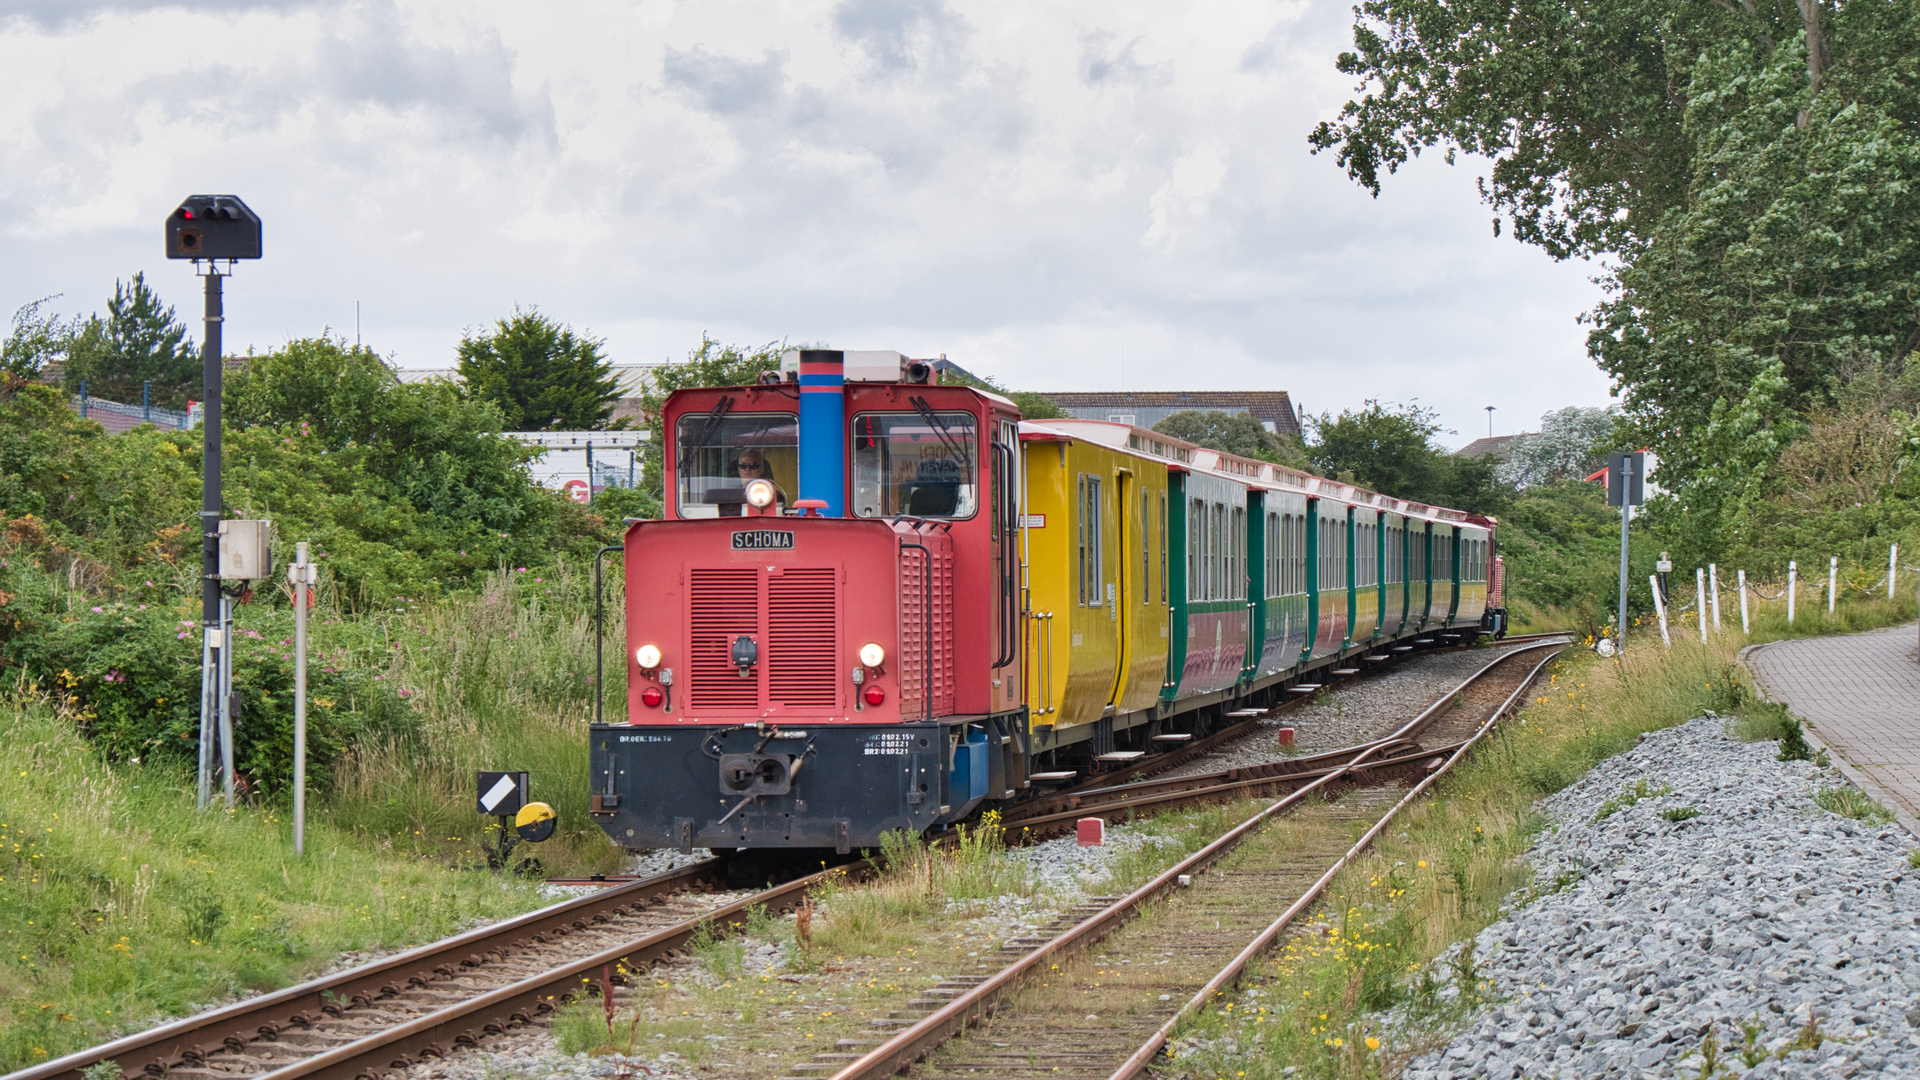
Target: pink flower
<point>143,607</point>
<point>405,692</point>
<point>182,635</point>
<point>149,584</point>
<point>97,611</point>
<point>521,570</point>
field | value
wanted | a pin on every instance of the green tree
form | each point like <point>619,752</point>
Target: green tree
<point>1571,443</point>
<point>540,374</point>
<point>1752,171</point>
<point>1238,433</point>
<point>38,339</point>
<point>1390,449</point>
<point>140,340</point>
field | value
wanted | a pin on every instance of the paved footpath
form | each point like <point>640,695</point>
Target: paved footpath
<point>1860,695</point>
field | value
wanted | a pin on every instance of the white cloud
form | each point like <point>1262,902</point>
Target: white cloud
<point>1029,189</point>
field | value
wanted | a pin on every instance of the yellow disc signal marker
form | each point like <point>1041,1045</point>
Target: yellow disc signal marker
<point>535,822</point>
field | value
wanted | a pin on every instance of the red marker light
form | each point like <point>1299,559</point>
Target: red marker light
<point>652,696</point>
<point>875,695</point>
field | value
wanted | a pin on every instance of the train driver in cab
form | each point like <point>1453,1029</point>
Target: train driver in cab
<point>752,465</point>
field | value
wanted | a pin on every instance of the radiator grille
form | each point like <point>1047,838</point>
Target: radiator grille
<point>725,604</point>
<point>926,631</point>
<point>803,626</point>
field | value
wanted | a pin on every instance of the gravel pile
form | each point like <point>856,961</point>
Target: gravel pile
<point>1762,910</point>
<point>1359,711</point>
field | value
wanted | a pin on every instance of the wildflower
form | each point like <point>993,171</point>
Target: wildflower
<point>97,611</point>
<point>1373,1043</point>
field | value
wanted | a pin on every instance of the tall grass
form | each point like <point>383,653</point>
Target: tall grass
<point>500,680</point>
<point>121,904</point>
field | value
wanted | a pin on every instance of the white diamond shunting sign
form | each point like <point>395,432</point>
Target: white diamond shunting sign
<point>502,794</point>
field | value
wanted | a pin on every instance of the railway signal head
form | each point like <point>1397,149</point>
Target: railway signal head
<point>213,227</point>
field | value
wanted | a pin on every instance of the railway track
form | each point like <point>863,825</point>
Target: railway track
<point>1201,931</point>
<point>1486,688</point>
<point>429,1002</point>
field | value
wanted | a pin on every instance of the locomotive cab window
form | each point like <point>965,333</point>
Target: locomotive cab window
<point>718,453</point>
<point>915,465</point>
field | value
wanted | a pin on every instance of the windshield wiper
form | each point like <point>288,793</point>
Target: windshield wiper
<point>954,445</point>
<point>706,431</point>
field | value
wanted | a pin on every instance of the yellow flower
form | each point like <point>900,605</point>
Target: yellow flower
<point>1373,1043</point>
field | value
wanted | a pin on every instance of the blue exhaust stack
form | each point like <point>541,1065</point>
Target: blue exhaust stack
<point>823,428</point>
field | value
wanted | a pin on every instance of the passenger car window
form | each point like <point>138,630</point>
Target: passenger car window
<point>915,465</point>
<point>717,453</point>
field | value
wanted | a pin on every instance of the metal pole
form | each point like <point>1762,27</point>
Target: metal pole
<point>302,573</point>
<point>146,400</point>
<point>83,399</point>
<point>1713,583</point>
<point>1833,581</point>
<point>1660,605</point>
<point>1793,585</point>
<point>1626,513</point>
<point>589,474</point>
<point>1700,600</point>
<point>1743,602</point>
<point>210,510</point>
<point>226,700</point>
<point>1893,560</point>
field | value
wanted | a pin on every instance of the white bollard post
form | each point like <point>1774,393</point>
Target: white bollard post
<point>302,574</point>
<point>1700,600</point>
<point>1833,581</point>
<point>1660,606</point>
<point>1745,627</point>
<point>1713,584</point>
<point>1893,565</point>
<point>1793,584</point>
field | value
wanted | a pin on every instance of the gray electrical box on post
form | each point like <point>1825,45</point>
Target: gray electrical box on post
<point>246,550</point>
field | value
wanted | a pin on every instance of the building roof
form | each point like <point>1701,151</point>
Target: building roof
<point>1272,407</point>
<point>1500,446</point>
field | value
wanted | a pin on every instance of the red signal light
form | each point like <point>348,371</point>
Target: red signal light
<point>875,695</point>
<point>653,696</point>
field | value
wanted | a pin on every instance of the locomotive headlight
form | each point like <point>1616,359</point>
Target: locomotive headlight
<point>872,655</point>
<point>761,493</point>
<point>647,656</point>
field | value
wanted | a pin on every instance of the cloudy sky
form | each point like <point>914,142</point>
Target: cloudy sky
<point>1063,195</point>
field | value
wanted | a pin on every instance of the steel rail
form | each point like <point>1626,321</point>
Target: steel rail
<point>1105,802</point>
<point>438,1033</point>
<point>1159,763</point>
<point>1141,1058</point>
<point>154,1050</point>
<point>914,1043</point>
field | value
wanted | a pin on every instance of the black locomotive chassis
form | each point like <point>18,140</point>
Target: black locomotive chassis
<point>662,787</point>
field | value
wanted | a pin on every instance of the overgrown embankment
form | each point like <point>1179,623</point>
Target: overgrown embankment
<point>121,905</point>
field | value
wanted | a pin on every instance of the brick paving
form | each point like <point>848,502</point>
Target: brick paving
<point>1860,693</point>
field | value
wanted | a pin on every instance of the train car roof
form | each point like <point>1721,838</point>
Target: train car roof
<point>1180,454</point>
